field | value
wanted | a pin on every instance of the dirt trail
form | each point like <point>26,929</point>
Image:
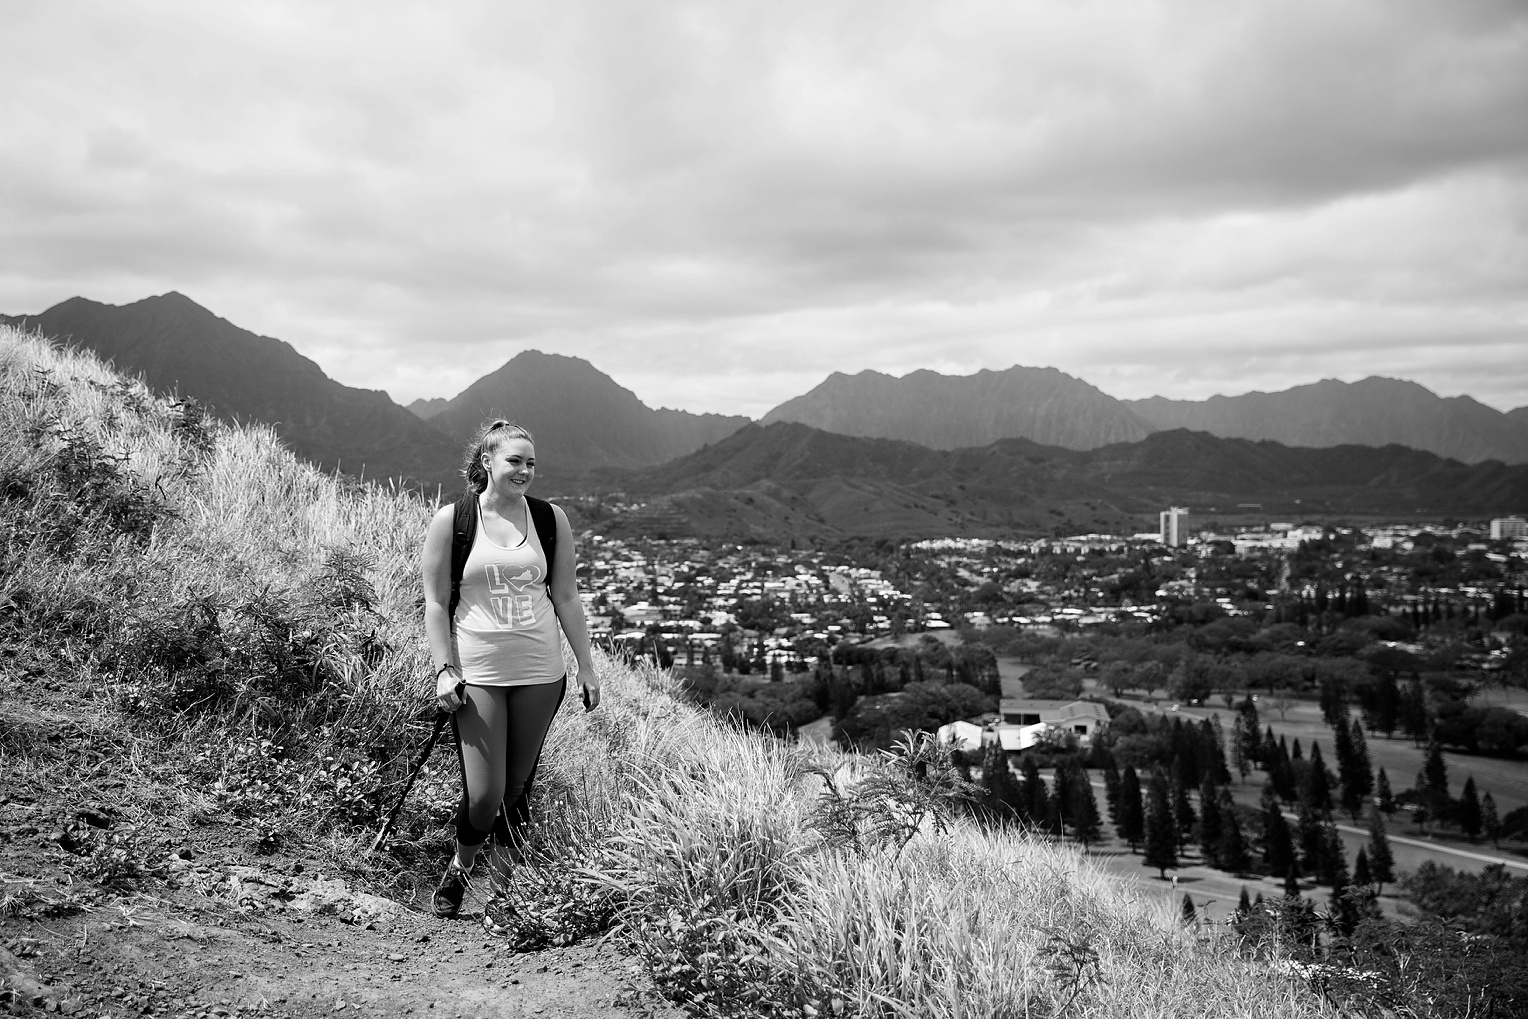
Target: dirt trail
<point>220,939</point>
<point>112,903</point>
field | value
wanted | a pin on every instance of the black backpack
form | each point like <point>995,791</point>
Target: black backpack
<point>464,531</point>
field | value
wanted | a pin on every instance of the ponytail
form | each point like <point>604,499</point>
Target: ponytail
<point>488,439</point>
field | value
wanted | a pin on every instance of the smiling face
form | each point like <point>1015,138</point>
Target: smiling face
<point>511,467</point>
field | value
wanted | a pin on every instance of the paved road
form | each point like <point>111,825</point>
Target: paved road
<point>1432,847</point>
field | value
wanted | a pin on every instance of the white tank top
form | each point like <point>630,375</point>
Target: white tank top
<point>505,632</point>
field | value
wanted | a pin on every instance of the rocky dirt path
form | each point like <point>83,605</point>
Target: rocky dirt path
<point>213,939</point>
<point>114,903</point>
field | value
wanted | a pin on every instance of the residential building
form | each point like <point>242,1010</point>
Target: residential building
<point>1173,521</point>
<point>1023,721</point>
<point>1509,527</point>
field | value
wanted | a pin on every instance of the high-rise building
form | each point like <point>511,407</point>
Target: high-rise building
<point>1509,527</point>
<point>1172,522</point>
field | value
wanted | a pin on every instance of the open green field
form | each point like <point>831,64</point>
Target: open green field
<point>1507,781</point>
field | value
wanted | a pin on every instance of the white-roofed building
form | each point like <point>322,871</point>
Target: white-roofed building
<point>1014,738</point>
<point>966,736</point>
<point>1083,719</point>
<point>1022,723</point>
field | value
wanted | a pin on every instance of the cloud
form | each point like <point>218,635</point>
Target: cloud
<point>718,204</point>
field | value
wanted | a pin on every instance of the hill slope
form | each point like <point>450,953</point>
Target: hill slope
<point>178,346</point>
<point>805,481</point>
<point>950,411</point>
<point>1375,411</point>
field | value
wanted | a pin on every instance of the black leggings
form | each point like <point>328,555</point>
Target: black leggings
<point>499,734</point>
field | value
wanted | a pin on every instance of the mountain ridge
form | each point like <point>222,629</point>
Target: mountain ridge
<point>1372,411</point>
<point>951,411</point>
<point>426,409</point>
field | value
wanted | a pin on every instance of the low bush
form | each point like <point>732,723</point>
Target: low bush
<point>1365,964</point>
<point>1484,729</point>
<point>876,722</point>
<point>774,707</point>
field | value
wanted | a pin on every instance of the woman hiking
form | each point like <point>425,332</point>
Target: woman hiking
<point>499,582</point>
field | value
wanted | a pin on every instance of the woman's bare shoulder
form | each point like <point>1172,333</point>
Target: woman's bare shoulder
<point>444,517</point>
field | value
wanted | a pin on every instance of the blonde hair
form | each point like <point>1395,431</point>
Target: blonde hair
<point>488,439</point>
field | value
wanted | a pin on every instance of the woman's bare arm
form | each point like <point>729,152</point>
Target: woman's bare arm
<point>435,565</point>
<point>570,610</point>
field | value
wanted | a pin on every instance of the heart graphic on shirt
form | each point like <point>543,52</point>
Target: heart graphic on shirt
<point>525,576</point>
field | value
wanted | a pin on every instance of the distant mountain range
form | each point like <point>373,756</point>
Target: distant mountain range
<point>1371,412</point>
<point>787,480</point>
<point>1024,448</point>
<point>426,409</point>
<point>1051,407</point>
<point>178,346</point>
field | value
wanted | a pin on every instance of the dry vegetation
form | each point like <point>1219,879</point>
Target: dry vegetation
<point>251,626</point>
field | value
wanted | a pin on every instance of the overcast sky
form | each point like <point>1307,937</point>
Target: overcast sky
<point>719,203</point>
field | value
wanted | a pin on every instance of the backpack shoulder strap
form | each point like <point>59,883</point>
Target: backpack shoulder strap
<point>463,531</point>
<point>545,522</point>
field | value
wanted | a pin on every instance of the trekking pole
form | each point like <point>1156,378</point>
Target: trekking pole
<point>392,815</point>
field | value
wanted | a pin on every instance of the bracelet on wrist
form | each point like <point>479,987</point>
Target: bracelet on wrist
<point>443,668</point>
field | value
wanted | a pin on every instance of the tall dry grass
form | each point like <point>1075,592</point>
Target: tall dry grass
<point>715,844</point>
<point>259,621</point>
<point>223,592</point>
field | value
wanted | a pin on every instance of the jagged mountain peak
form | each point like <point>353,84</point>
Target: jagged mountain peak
<point>950,411</point>
<point>582,418</point>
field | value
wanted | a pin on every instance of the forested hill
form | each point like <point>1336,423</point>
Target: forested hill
<point>788,478</point>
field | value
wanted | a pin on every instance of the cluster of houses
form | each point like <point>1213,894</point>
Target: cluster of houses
<point>690,592</point>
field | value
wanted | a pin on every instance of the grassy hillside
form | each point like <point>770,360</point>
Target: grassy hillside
<point>232,639</point>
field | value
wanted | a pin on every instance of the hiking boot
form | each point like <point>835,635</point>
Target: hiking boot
<point>447,900</point>
<point>500,917</point>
